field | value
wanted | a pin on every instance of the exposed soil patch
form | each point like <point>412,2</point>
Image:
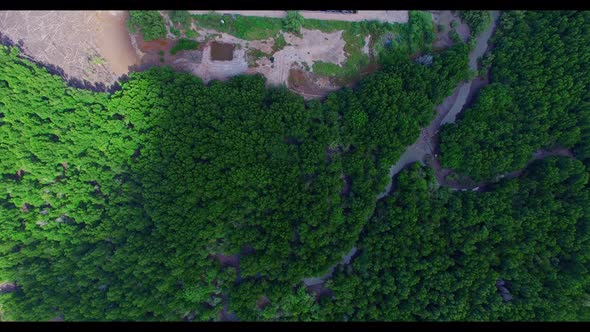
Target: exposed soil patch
<point>262,302</point>
<point>347,185</point>
<point>7,287</point>
<point>319,291</point>
<point>154,52</point>
<point>222,52</point>
<point>226,316</point>
<point>310,85</point>
<point>59,318</point>
<point>157,45</point>
<point>228,260</point>
<point>91,46</point>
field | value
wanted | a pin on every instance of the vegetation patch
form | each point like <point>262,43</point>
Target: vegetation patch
<point>97,60</point>
<point>326,68</point>
<point>147,22</point>
<point>528,106</point>
<point>128,196</point>
<point>279,43</point>
<point>243,27</point>
<point>477,20</point>
<point>293,22</point>
<point>183,45</point>
<point>253,55</point>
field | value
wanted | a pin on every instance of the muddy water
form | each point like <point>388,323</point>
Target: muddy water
<point>114,42</point>
<point>318,280</point>
<point>222,52</point>
<point>480,48</point>
<point>446,112</point>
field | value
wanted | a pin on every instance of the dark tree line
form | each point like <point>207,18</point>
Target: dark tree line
<point>538,99</point>
<point>516,253</point>
<point>117,204</point>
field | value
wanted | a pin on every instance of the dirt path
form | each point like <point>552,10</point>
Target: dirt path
<point>391,16</point>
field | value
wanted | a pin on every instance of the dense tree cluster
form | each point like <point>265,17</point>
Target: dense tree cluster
<point>540,67</point>
<point>477,20</point>
<point>293,21</point>
<point>518,252</point>
<point>117,204</point>
<point>171,199</point>
<point>148,22</point>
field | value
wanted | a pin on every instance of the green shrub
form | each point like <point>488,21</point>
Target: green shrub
<point>243,27</point>
<point>293,21</point>
<point>190,33</point>
<point>279,43</point>
<point>184,44</point>
<point>181,17</point>
<point>455,36</point>
<point>326,68</point>
<point>477,20</point>
<point>149,23</point>
<point>175,31</point>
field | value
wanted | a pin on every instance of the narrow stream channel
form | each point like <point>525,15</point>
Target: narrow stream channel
<point>417,152</point>
<point>445,113</point>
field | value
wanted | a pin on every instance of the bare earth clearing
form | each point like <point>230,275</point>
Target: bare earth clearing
<point>88,45</point>
<point>314,45</point>
<point>96,47</point>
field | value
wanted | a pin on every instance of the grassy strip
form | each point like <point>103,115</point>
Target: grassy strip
<point>243,27</point>
<point>184,44</point>
<point>326,68</point>
<point>279,43</point>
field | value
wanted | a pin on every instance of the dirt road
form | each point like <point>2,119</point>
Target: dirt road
<point>391,16</point>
